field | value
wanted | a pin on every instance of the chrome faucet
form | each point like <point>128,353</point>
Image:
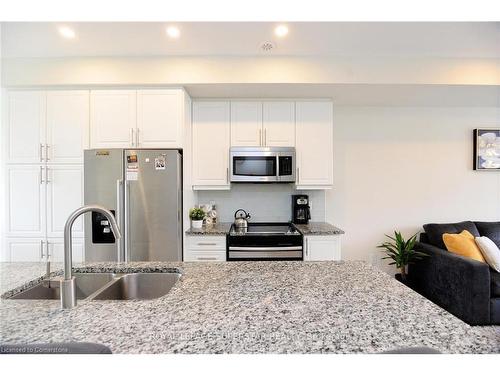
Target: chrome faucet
<point>68,286</point>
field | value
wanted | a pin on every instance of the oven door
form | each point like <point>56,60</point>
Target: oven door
<point>254,167</point>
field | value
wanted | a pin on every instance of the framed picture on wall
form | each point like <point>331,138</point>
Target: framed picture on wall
<point>487,149</point>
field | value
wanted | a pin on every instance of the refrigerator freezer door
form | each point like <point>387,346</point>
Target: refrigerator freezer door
<point>153,205</point>
<point>103,184</point>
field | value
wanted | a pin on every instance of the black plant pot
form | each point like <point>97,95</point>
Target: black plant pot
<point>400,279</point>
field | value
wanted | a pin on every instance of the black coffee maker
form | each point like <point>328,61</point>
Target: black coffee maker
<point>301,212</point>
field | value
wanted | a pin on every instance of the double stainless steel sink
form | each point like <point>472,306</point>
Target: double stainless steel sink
<point>107,286</point>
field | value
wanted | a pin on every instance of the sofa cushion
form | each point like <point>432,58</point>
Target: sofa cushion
<point>435,231</point>
<point>495,283</point>
<point>463,244</point>
<point>490,251</point>
<point>490,230</point>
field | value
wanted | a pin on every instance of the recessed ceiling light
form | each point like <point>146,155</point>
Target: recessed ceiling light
<point>173,32</point>
<point>66,32</point>
<point>281,31</point>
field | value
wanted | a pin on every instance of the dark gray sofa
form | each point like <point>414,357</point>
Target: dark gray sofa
<point>465,287</point>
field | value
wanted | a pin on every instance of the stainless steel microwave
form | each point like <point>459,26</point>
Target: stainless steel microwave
<point>262,164</point>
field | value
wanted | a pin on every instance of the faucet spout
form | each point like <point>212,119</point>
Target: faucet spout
<point>68,287</point>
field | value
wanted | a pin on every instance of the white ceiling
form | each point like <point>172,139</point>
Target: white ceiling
<point>454,40</point>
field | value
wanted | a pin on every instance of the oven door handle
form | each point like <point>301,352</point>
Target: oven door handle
<point>257,248</point>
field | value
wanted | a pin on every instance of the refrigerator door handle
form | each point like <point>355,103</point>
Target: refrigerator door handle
<point>126,216</point>
<point>119,185</point>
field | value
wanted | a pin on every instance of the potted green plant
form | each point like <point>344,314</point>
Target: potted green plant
<point>402,253</point>
<point>196,215</point>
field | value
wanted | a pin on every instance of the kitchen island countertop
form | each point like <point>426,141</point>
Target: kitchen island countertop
<point>249,307</point>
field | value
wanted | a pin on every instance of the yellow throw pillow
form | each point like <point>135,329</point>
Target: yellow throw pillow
<point>463,244</point>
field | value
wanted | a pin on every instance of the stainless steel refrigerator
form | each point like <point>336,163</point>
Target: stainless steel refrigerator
<point>143,189</point>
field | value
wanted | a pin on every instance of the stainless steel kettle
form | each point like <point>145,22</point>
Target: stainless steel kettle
<point>241,220</point>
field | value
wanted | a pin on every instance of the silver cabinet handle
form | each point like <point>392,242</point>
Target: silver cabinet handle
<point>47,146</point>
<point>206,244</point>
<point>298,174</point>
<point>48,253</point>
<point>40,178</point>
<point>137,138</point>
<point>40,152</point>
<point>132,137</point>
<point>307,247</point>
<point>206,258</point>
<point>260,137</point>
<point>41,249</point>
<point>265,137</point>
<point>47,175</point>
<point>227,175</point>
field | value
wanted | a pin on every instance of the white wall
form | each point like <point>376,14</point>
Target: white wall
<point>399,168</point>
<point>175,70</point>
<point>265,202</point>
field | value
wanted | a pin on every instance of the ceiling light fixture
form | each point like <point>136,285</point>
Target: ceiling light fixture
<point>173,32</point>
<point>66,32</point>
<point>281,31</point>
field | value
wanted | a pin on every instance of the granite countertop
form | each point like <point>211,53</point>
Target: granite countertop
<point>318,229</point>
<point>252,307</point>
<point>219,229</point>
<point>311,229</point>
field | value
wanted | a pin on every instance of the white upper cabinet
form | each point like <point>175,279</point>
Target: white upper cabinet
<point>160,118</point>
<point>246,124</point>
<point>26,127</point>
<point>25,200</point>
<point>112,118</point>
<point>279,124</point>
<point>211,141</point>
<point>67,126</point>
<point>64,195</point>
<point>314,144</point>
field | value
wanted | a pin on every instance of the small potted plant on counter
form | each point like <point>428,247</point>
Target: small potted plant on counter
<point>196,215</point>
<point>402,253</point>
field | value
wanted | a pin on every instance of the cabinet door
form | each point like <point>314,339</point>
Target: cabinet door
<point>25,200</point>
<point>160,118</point>
<point>112,118</point>
<point>314,144</point>
<point>67,126</point>
<point>25,249</point>
<point>279,124</point>
<point>211,135</point>
<point>64,195</point>
<point>26,127</point>
<point>56,250</point>
<point>320,248</point>
<point>246,124</point>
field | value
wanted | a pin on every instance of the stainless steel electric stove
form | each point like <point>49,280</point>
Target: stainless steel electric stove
<point>265,241</point>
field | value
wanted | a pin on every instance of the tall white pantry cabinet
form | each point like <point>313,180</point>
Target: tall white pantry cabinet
<point>45,135</point>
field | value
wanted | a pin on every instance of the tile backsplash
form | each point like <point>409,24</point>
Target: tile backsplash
<point>265,202</point>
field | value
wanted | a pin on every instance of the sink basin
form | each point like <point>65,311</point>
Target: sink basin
<point>139,286</point>
<point>86,284</point>
<point>106,286</point>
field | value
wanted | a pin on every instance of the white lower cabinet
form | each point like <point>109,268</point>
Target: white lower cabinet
<point>24,250</point>
<point>64,195</point>
<point>317,248</point>
<point>40,250</point>
<point>56,250</point>
<point>25,200</point>
<point>205,249</point>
